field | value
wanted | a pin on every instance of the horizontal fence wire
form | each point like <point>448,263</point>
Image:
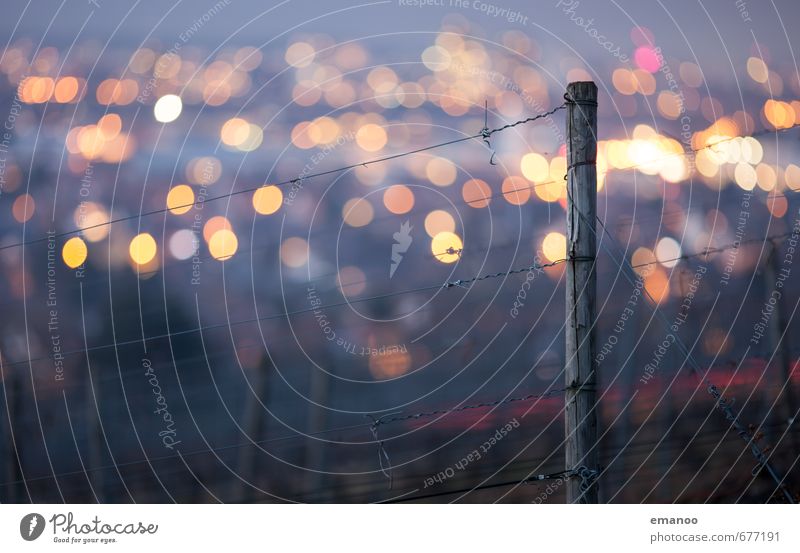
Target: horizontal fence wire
<point>483,134</point>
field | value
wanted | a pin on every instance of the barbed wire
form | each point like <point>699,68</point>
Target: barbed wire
<point>559,181</point>
<point>383,454</point>
<point>632,449</point>
<point>483,198</point>
<point>290,182</point>
<point>460,251</point>
<point>534,267</point>
<point>366,425</point>
<point>712,250</point>
<point>462,283</point>
<point>529,480</point>
<point>725,406</point>
<point>484,248</point>
<point>487,132</point>
<point>484,133</point>
<point>585,474</point>
<point>392,417</point>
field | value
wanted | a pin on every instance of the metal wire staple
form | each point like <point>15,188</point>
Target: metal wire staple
<point>383,455</point>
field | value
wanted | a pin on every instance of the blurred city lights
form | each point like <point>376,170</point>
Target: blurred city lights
<point>167,108</point>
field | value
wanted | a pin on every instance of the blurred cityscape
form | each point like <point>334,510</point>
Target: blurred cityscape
<point>191,315</point>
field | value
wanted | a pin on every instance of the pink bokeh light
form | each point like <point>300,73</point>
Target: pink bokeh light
<point>647,59</point>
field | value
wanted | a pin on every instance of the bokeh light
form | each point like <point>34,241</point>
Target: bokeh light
<point>167,108</point>
<point>439,221</point>
<point>441,171</point>
<point>643,261</point>
<point>371,137</point>
<point>203,171</point>
<point>223,244</point>
<point>74,252</point>
<point>92,218</point>
<point>476,193</point>
<point>516,190</point>
<point>23,208</point>
<point>667,251</point>
<point>446,247</point>
<point>215,223</point>
<point>183,244</point>
<point>180,199</point>
<point>554,246</point>
<point>351,281</point>
<point>267,199</point>
<point>390,364</point>
<point>656,284</point>
<point>357,212</point>
<point>299,54</point>
<point>142,248</point>
<point>535,167</point>
<point>398,199</point>
<point>294,252</point>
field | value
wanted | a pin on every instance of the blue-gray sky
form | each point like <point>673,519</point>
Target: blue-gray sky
<point>708,28</point>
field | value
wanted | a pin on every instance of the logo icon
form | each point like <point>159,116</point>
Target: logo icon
<point>31,526</point>
<point>402,241</point>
